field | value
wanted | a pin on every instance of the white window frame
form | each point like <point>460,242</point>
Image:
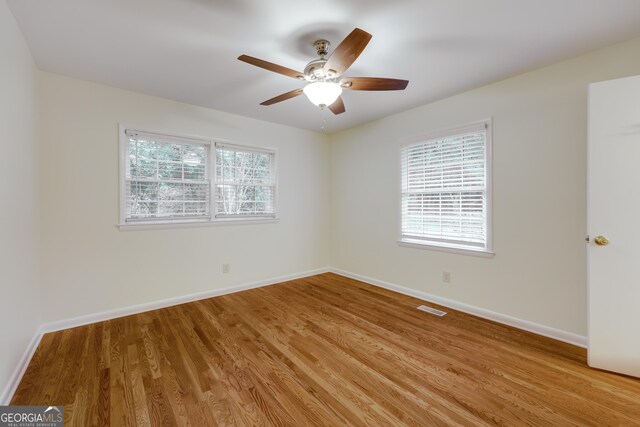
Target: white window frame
<point>462,249</point>
<point>211,174</point>
<point>214,183</point>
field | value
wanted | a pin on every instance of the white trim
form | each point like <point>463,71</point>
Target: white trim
<point>432,246</point>
<point>536,328</point>
<point>21,368</point>
<point>168,302</point>
<point>122,172</point>
<point>488,170</point>
<point>159,225</point>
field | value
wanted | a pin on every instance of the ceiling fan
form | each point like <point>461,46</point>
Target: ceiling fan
<point>323,75</point>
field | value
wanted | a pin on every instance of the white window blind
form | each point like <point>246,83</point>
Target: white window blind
<point>166,178</point>
<point>444,189</point>
<point>245,184</point>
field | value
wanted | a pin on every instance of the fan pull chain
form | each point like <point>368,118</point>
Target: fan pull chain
<point>324,119</point>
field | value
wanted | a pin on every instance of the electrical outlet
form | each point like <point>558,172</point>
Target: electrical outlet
<point>446,277</point>
<point>225,268</point>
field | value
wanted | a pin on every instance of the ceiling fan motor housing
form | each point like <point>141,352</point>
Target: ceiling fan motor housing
<point>315,69</point>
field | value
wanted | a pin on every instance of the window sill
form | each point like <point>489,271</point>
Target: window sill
<point>158,225</point>
<point>446,248</point>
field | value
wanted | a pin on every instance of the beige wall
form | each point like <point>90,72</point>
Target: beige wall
<point>338,199</point>
<point>19,297</point>
<point>539,193</point>
<point>89,266</point>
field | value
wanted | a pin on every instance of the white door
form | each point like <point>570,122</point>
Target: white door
<point>614,213</point>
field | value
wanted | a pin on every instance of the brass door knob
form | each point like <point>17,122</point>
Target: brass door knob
<point>601,241</point>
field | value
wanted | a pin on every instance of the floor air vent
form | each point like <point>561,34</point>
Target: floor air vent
<point>431,310</point>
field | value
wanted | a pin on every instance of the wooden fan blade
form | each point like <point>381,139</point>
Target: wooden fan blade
<point>373,83</point>
<point>283,97</point>
<point>271,66</point>
<point>338,106</point>
<point>347,52</point>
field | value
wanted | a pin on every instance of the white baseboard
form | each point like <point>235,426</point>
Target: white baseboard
<point>16,377</point>
<point>168,302</point>
<point>536,328</point>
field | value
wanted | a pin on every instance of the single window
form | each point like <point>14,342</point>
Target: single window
<point>168,179</point>
<point>245,182</point>
<point>446,189</point>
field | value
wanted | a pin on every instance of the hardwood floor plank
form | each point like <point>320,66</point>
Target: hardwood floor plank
<point>323,351</point>
<point>104,398</point>
<point>137,387</point>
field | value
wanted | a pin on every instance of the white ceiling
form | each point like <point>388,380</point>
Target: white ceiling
<point>186,50</point>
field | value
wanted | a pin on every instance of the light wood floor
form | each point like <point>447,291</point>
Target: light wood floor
<point>325,350</point>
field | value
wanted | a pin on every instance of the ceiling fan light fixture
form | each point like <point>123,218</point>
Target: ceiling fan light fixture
<point>323,74</point>
<point>322,94</point>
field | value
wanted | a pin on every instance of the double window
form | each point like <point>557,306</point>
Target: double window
<point>170,179</point>
<point>446,196</point>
